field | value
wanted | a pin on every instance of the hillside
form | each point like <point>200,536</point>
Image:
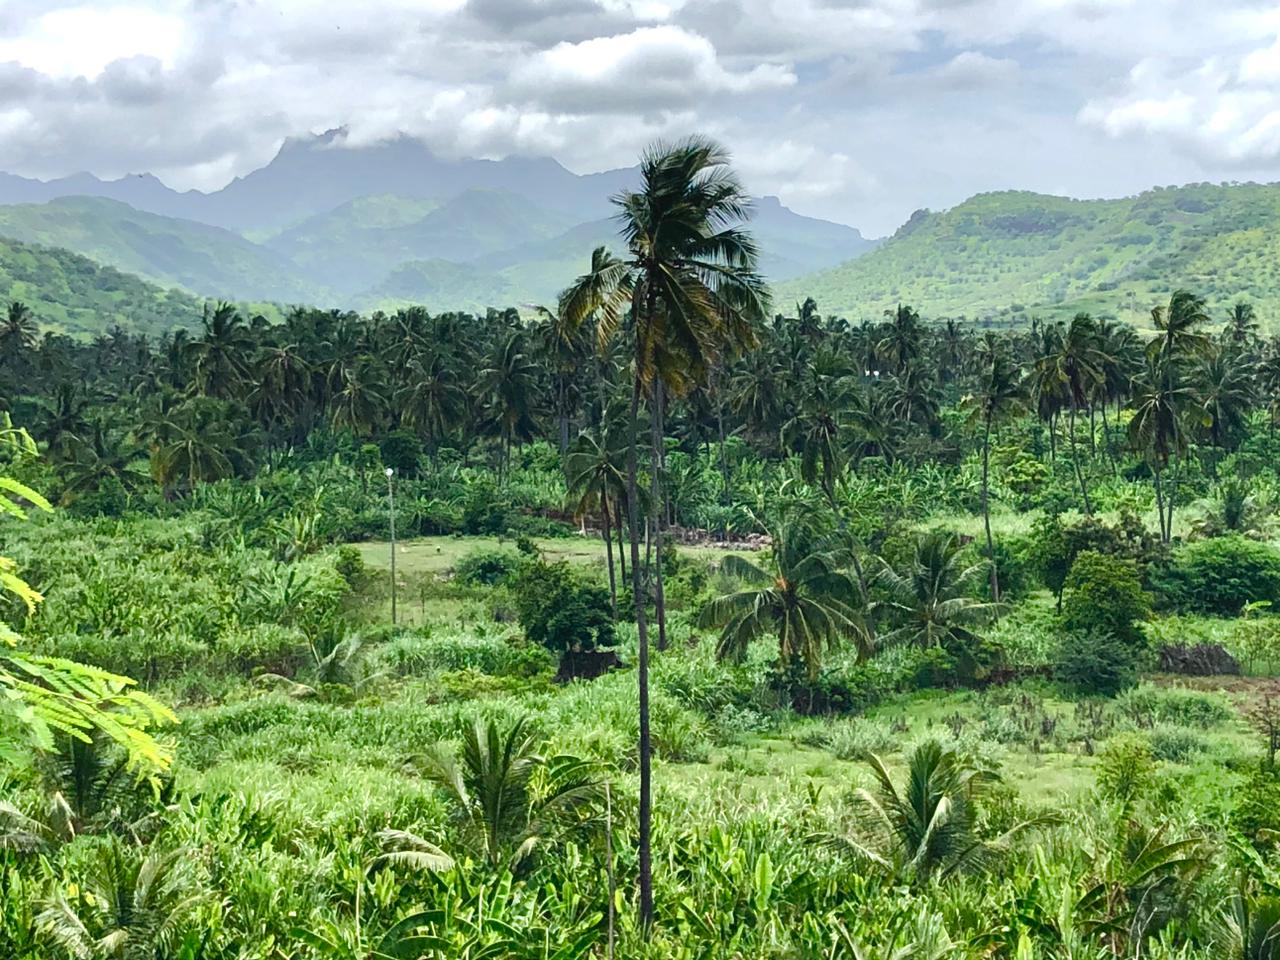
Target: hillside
<point>204,259</point>
<point>71,294</point>
<point>1007,256</point>
<point>356,245</point>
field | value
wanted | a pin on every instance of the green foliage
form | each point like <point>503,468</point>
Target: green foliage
<point>487,567</point>
<point>1222,575</point>
<point>1257,805</point>
<point>1104,593</point>
<point>1097,661</point>
<point>1125,768</point>
<point>560,609</point>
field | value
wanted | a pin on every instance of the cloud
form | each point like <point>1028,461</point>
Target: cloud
<point>651,68</point>
<point>1221,110</point>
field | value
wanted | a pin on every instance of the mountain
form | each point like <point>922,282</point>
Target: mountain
<point>442,282</point>
<point>71,294</point>
<point>354,246</point>
<point>1007,256</point>
<point>312,175</point>
<point>198,257</point>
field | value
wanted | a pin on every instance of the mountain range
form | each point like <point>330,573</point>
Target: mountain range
<point>391,224</point>
<point>370,227</point>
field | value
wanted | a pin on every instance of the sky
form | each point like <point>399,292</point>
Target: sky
<point>859,111</point>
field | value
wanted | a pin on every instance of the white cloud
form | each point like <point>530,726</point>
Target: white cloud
<point>663,67</point>
<point>1220,110</point>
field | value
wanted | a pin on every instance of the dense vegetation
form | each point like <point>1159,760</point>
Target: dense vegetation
<point>963,643</point>
<point>1009,256</point>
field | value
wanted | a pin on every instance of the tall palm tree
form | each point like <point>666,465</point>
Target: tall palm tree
<point>432,401</point>
<point>510,798</point>
<point>1162,401</point>
<point>564,350</point>
<point>932,600</point>
<point>688,290</point>
<point>1000,395</point>
<point>902,339</point>
<point>1242,325</point>
<point>595,474</point>
<point>1076,367</point>
<point>220,357</point>
<point>360,403</point>
<point>507,386</point>
<point>18,332</point>
<point>1224,386</point>
<point>807,601</point>
<point>1179,325</point>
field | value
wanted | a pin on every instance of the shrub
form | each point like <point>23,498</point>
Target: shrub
<point>1105,593</point>
<point>1149,705</point>
<point>401,450</point>
<point>1097,661</point>
<point>854,739</point>
<point>486,567</point>
<point>1175,744</point>
<point>559,609</point>
<point>350,564</point>
<point>1220,576</point>
<point>1258,805</point>
<point>1126,767</point>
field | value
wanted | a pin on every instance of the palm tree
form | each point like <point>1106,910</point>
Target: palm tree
<point>18,332</point>
<point>510,798</point>
<point>901,342</point>
<point>431,402</point>
<point>360,404</point>
<point>595,474</point>
<point>1242,325</point>
<point>1000,396</point>
<point>564,348</point>
<point>104,460</point>
<point>927,830</point>
<point>1179,325</point>
<point>807,601</point>
<point>1158,429</point>
<point>1224,387</point>
<point>688,290</point>
<point>815,430</point>
<point>507,387</point>
<point>281,385</point>
<point>1075,368</point>
<point>220,357</point>
<point>932,599</point>
<point>130,903</point>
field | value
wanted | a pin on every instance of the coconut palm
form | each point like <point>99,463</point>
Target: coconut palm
<point>1242,325</point>
<point>595,474</point>
<point>931,600</point>
<point>927,829</point>
<point>1162,402</point>
<point>360,403</point>
<point>220,357</point>
<point>807,601</point>
<point>507,388</point>
<point>688,291</point>
<point>1075,366</point>
<point>1000,395</point>
<point>432,401</point>
<point>902,339</point>
<point>1224,387</point>
<point>1180,326</point>
<point>18,332</point>
<point>510,799</point>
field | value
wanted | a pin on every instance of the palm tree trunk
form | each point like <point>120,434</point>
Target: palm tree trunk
<point>1106,443</point>
<point>986,510</point>
<point>1053,439</point>
<point>1093,431</point>
<point>1173,489</point>
<point>1075,461</point>
<point>608,549</point>
<point>1160,503</point>
<point>622,546</point>
<point>642,661</point>
<point>656,513</point>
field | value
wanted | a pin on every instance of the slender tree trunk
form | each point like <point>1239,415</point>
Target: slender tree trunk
<point>655,511</point>
<point>564,420</point>
<point>608,549</point>
<point>1075,461</point>
<point>1106,443</point>
<point>986,510</point>
<point>642,661</point>
<point>608,866</point>
<point>1173,490</point>
<point>1093,439</point>
<point>1160,502</point>
<point>1053,440</point>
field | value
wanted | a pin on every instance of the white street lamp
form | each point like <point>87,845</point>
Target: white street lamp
<point>391,504</point>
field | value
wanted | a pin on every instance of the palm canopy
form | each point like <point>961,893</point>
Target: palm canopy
<point>689,276</point>
<point>807,601</point>
<point>927,828</point>
<point>1180,326</point>
<point>932,599</point>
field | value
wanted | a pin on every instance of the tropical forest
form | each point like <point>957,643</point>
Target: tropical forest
<point>901,607</point>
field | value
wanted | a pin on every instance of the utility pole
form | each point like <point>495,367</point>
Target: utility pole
<point>391,503</point>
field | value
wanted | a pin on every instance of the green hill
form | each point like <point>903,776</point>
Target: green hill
<point>1008,256</point>
<point>73,295</point>
<point>358,244</point>
<point>441,285</point>
<point>206,260</point>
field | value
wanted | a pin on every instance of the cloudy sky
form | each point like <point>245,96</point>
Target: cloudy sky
<point>855,110</point>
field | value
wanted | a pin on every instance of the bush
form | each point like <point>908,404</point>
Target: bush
<point>1126,767</point>
<point>349,564</point>
<point>401,450</point>
<point>1220,576</point>
<point>1150,705</point>
<point>1097,661</point>
<point>1104,593</point>
<point>1258,806</point>
<point>486,567</point>
<point>559,609</point>
<point>1174,744</point>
